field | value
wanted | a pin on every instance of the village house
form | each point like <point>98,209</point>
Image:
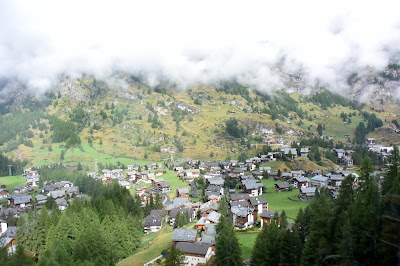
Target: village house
<point>339,153</point>
<point>40,199</point>
<point>155,182</point>
<point>239,197</point>
<point>307,193</point>
<point>208,236</point>
<point>300,181</point>
<point>282,186</point>
<point>184,235</point>
<point>152,224</point>
<point>7,237</point>
<point>161,213</point>
<point>193,173</point>
<point>266,217</point>
<point>131,176</point>
<point>370,141</point>
<point>29,172</point>
<point>212,218</point>
<point>182,192</point>
<point>243,217</point>
<point>252,187</point>
<point>61,203</point>
<point>19,189</point>
<point>216,189</point>
<point>258,174</point>
<point>57,194</point>
<point>290,152</point>
<point>3,193</point>
<point>208,207</point>
<point>164,187</point>
<point>195,253</point>
<point>71,190</point>
<point>32,181</point>
<point>124,184</point>
<point>180,202</point>
<point>259,204</point>
<point>20,200</point>
<point>216,181</point>
<point>304,152</point>
<point>319,181</point>
<point>213,196</point>
<point>336,180</point>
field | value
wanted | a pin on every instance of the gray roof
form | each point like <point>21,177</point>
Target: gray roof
<point>252,184</point>
<point>216,180</point>
<point>308,190</point>
<point>175,211</point>
<point>239,204</point>
<point>241,196</point>
<point>12,231</point>
<point>57,193</point>
<point>241,211</point>
<point>164,185</point>
<point>214,216</point>
<point>40,197</point>
<point>153,221</point>
<point>21,198</point>
<point>209,205</point>
<point>161,213</point>
<point>61,202</point>
<point>283,185</point>
<point>336,177</point>
<point>257,201</point>
<point>268,214</point>
<point>319,178</point>
<point>198,249</point>
<point>183,190</point>
<point>184,235</point>
<point>301,179</point>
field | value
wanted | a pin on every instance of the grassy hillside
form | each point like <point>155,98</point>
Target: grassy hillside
<point>137,123</point>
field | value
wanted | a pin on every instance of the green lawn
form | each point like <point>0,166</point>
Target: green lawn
<point>278,201</point>
<point>246,243</point>
<point>12,181</point>
<point>172,178</point>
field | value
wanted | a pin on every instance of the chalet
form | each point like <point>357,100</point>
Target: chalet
<point>141,190</point>
<point>282,186</point>
<point>157,181</point>
<point>124,184</point>
<point>71,190</point>
<point>32,181</point>
<point>158,172</point>
<point>40,199</point>
<point>151,166</point>
<point>271,156</point>
<point>238,171</point>
<point>239,204</point>
<point>336,180</point>
<point>295,173</point>
<point>20,200</point>
<point>208,207</point>
<point>195,253</point>
<point>164,187</point>
<point>225,164</point>
<point>307,193</point>
<point>174,212</point>
<point>180,203</point>
<point>178,169</point>
<point>217,181</point>
<point>212,218</point>
<point>9,212</point>
<point>243,217</point>
<point>213,196</point>
<point>252,187</point>
<point>259,204</point>
<point>239,197</point>
<point>7,239</point>
<point>265,168</point>
<point>326,138</point>
<point>3,193</point>
<point>300,181</point>
<point>339,153</point>
<point>233,163</point>
<point>347,161</point>
<point>316,172</point>
<point>130,167</point>
<point>304,152</point>
<point>152,224</point>
<point>266,217</point>
<point>319,181</point>
<point>208,236</point>
<point>151,176</point>
<point>161,213</point>
<point>193,173</point>
<point>182,192</point>
<point>290,152</point>
<point>29,172</point>
<point>57,194</point>
<point>184,235</point>
<point>131,176</point>
<point>62,204</point>
<point>216,189</point>
<point>250,166</point>
<point>19,189</point>
<point>258,174</point>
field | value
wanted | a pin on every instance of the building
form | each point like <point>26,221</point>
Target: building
<point>319,181</point>
<point>259,204</point>
<point>152,224</point>
<point>182,192</point>
<point>266,217</point>
<point>184,235</point>
<point>195,253</point>
<point>307,193</point>
<point>212,218</point>
<point>282,186</point>
<point>243,217</point>
<point>252,187</point>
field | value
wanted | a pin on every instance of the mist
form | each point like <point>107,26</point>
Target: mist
<point>202,42</point>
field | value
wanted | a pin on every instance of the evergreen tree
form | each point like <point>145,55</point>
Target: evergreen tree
<point>267,252</point>
<point>227,250</point>
<point>290,248</point>
<point>174,257</point>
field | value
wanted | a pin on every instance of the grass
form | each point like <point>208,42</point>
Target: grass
<point>279,201</point>
<point>175,182</point>
<point>246,243</point>
<point>12,181</point>
<point>153,244</point>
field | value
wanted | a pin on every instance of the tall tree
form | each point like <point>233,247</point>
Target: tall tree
<point>227,250</point>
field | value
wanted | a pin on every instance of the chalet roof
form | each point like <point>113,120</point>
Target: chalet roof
<point>161,213</point>
<point>216,180</point>
<point>164,185</point>
<point>319,178</point>
<point>282,185</point>
<point>213,216</point>
<point>184,235</point>
<point>252,184</point>
<point>158,180</point>
<point>305,150</point>
<point>40,197</point>
<point>209,205</point>
<point>190,248</point>
<point>21,198</point>
<point>12,231</point>
<point>241,211</point>
<point>183,190</point>
<point>307,190</point>
<point>57,193</point>
<point>153,221</point>
<point>212,194</point>
<point>241,196</point>
<point>239,204</point>
<point>61,202</point>
<point>336,177</point>
<point>214,188</point>
<point>268,214</point>
<point>301,179</point>
<point>175,211</point>
<point>257,201</point>
<point>339,151</point>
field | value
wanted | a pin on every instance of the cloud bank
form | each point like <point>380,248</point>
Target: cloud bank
<point>189,42</point>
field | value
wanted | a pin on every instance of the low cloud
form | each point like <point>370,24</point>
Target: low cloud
<point>189,42</point>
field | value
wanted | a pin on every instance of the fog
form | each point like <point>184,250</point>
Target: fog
<point>203,42</point>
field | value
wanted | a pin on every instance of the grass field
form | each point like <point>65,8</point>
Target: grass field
<point>246,243</point>
<point>12,181</point>
<point>278,201</point>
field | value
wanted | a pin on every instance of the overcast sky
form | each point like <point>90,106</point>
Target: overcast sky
<point>190,43</point>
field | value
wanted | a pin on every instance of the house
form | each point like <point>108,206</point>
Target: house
<point>213,196</point>
<point>370,141</point>
<point>193,173</point>
<point>239,197</point>
<point>164,187</point>
<point>3,193</point>
<point>157,181</point>
<point>208,236</point>
<point>182,192</point>
<point>339,153</point>
<point>124,184</point>
<point>161,213</point>
<point>131,176</point>
<point>158,172</point>
<point>300,181</point>
<point>212,218</point>
<point>319,181</point>
<point>243,217</point>
<point>295,173</point>
<point>307,193</point>
<point>208,207</point>
<point>61,203</point>
<point>290,152</point>
<point>336,180</point>
<point>152,224</point>
<point>316,172</point>
<point>347,161</point>
<point>174,212</point>
<point>216,189</point>
<point>216,181</point>
<point>266,217</point>
<point>258,174</point>
<point>20,200</point>
<point>19,189</point>
<point>304,152</point>
<point>57,194</point>
<point>40,199</point>
<point>184,235</point>
<point>7,237</point>
<point>32,181</point>
<point>282,186</point>
<point>195,253</point>
<point>252,187</point>
<point>71,190</point>
<point>180,202</point>
<point>239,204</point>
<point>259,204</point>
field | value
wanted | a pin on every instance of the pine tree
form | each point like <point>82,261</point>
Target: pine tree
<point>227,250</point>
<point>175,257</point>
<point>290,248</point>
<point>267,252</point>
